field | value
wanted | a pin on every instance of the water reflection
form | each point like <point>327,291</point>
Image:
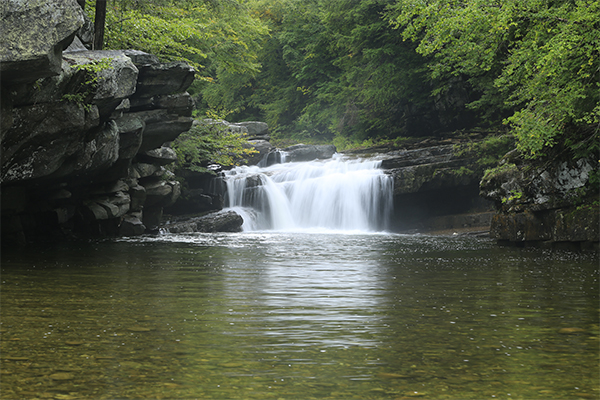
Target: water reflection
<point>276,315</point>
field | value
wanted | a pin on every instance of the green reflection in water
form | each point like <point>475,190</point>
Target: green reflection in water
<point>298,316</point>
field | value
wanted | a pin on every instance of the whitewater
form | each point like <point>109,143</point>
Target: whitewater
<point>339,194</point>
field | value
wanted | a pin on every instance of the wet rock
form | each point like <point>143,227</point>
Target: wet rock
<point>222,221</point>
<point>195,201</point>
<point>131,226</point>
<point>309,152</point>
<point>538,203</point>
<point>62,376</point>
<point>261,149</point>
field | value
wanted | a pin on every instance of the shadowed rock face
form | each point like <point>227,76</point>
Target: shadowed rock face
<point>221,221</point>
<point>75,160</point>
<point>547,203</point>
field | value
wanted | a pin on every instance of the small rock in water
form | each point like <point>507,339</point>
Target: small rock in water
<point>62,376</point>
<point>570,331</point>
<point>139,329</point>
<point>390,375</point>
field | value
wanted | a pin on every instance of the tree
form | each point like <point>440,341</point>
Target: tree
<point>538,60</point>
<point>99,21</point>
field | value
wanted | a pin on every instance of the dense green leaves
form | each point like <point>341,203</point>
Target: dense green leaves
<point>207,34</point>
<point>210,141</point>
<point>537,58</point>
<point>360,71</point>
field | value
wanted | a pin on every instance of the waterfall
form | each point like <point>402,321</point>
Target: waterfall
<point>335,194</point>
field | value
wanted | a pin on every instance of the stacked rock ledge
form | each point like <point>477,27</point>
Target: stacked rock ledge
<point>85,134</point>
<point>544,204</point>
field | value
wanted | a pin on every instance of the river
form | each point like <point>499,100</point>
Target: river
<point>278,315</point>
<point>314,300</point>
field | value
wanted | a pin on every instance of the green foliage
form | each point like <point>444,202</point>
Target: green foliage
<point>513,196</point>
<point>330,69</point>
<point>360,72</point>
<point>487,152</point>
<point>500,170</point>
<point>537,59</point>
<point>211,35</point>
<point>210,142</point>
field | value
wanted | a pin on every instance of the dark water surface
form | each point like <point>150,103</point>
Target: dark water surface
<point>299,316</point>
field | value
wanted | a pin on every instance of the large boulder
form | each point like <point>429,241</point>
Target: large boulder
<point>112,76</point>
<point>164,79</point>
<point>256,130</point>
<point>34,34</point>
<point>222,221</point>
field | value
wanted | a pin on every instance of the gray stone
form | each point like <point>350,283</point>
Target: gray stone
<point>137,193</point>
<point>41,138</point>
<point>130,129</point>
<point>159,79</point>
<point>131,226</point>
<point>161,127</point>
<point>180,104</point>
<point>140,58</point>
<point>97,211</point>
<point>145,170</point>
<point>34,34</point>
<point>162,193</point>
<point>114,83</point>
<point>160,156</point>
<point>256,130</point>
<point>222,221</point>
<point>261,149</point>
<point>309,152</point>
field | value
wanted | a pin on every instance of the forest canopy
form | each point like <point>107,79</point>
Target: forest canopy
<point>363,71</point>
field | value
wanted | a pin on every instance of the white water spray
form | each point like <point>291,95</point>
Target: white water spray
<point>336,194</point>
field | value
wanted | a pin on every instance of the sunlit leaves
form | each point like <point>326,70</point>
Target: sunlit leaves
<point>207,34</point>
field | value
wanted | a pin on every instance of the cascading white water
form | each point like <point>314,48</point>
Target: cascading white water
<point>337,194</point>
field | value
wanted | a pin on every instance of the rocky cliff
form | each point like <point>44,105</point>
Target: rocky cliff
<point>84,133</point>
<point>436,183</point>
<point>545,202</point>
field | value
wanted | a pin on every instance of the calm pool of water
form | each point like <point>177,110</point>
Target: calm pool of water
<point>298,316</point>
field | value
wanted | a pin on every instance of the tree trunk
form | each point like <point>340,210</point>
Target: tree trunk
<point>99,24</point>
